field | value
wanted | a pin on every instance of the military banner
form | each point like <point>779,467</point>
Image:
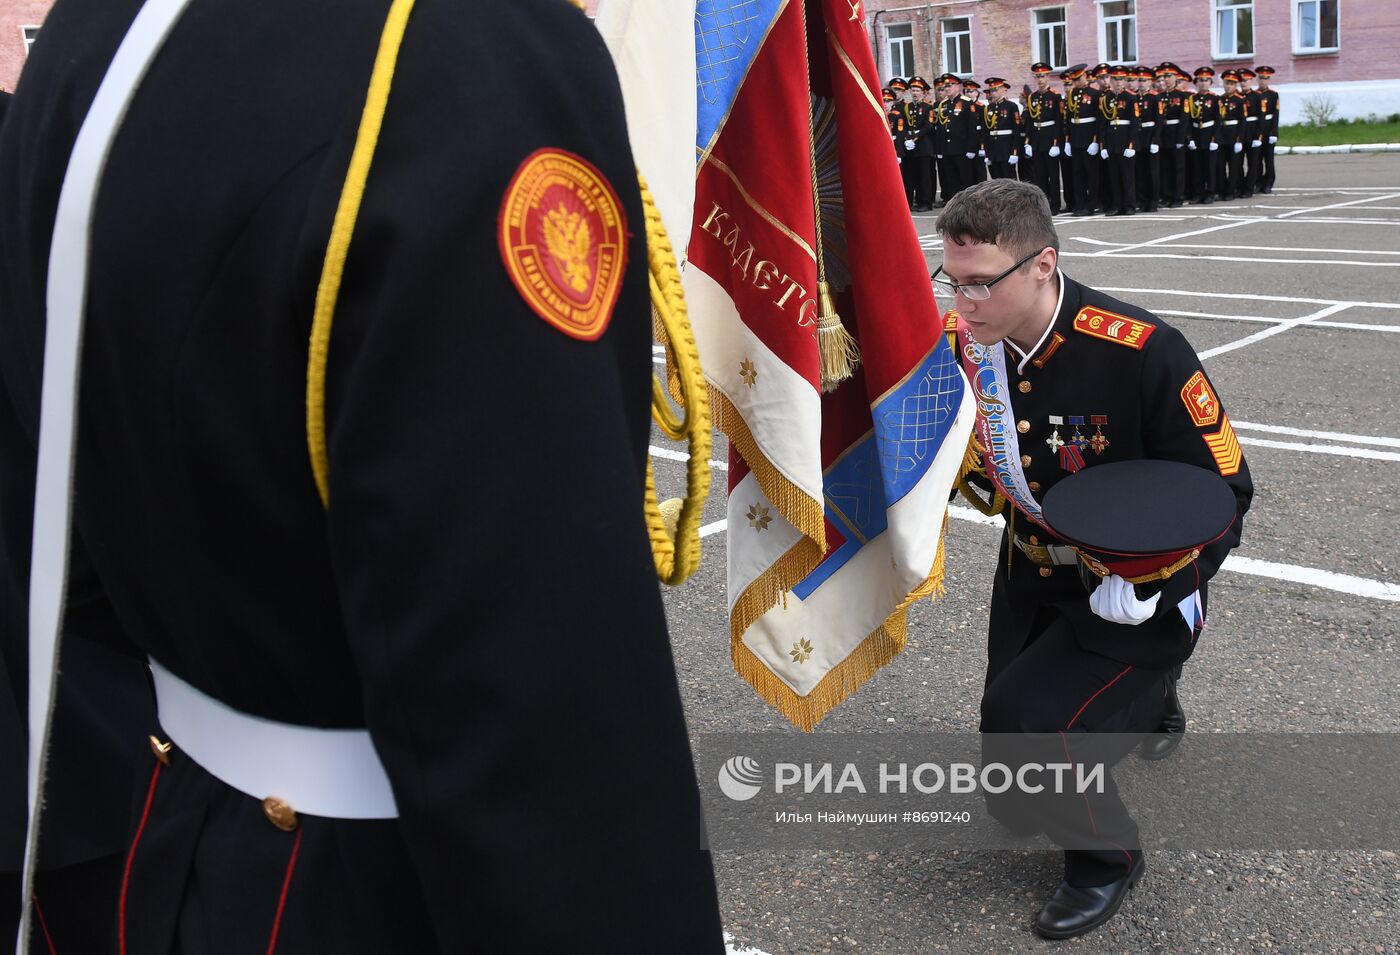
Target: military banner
<point>839,467</point>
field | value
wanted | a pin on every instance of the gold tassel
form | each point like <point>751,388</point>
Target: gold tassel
<point>838,350</point>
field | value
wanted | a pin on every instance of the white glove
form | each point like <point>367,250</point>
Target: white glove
<point>1114,600</point>
<point>1055,151</point>
<point>1256,144</point>
<point>1014,159</point>
<point>1214,147</point>
<point>1028,150</point>
<point>1153,149</point>
<point>1104,153</point>
<point>1179,146</point>
<point>1069,150</point>
<point>1129,153</point>
<point>1272,140</point>
<point>1190,144</point>
<point>898,161</point>
<point>1239,147</point>
<point>981,152</point>
<point>1093,149</point>
<point>909,144</point>
<point>971,155</point>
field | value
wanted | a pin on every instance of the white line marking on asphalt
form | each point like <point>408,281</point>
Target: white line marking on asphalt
<point>1252,248</point>
<point>713,528</point>
<point>1312,576</point>
<point>1222,258</point>
<point>1192,293</point>
<point>733,948</point>
<point>1284,216</point>
<point>1265,320</point>
<point>670,455</point>
<point>1368,453</point>
<point>1326,579</point>
<point>1328,435</point>
<point>1271,332</point>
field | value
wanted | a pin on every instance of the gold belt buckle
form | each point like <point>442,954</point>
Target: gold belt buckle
<point>1038,554</point>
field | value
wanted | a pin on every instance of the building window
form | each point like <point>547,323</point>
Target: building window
<point>1119,30</point>
<point>1315,26</point>
<point>957,45</point>
<point>1234,28</point>
<point>899,38</point>
<point>1049,42</point>
<point>30,35</point>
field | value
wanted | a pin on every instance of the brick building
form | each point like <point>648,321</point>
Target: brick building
<point>1344,51</point>
<point>1340,49</point>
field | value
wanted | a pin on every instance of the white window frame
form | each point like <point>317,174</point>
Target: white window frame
<point>1049,28</point>
<point>29,34</point>
<point>944,35</point>
<point>1297,18</point>
<point>1218,7</point>
<point>891,42</point>
<point>1103,23</point>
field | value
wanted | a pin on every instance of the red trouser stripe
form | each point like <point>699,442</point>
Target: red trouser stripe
<point>282,900</point>
<point>131,855</point>
<point>48,939</point>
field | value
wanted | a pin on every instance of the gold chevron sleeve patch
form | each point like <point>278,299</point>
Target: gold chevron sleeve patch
<point>1225,448</point>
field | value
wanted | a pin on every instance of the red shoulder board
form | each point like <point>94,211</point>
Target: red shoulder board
<point>950,320</point>
<point>563,239</point>
<point>1112,327</point>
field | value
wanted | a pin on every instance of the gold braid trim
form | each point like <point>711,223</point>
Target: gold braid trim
<point>674,526</point>
<point>848,676</point>
<point>338,247</point>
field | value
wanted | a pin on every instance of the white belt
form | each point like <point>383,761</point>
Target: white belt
<point>1149,125</point>
<point>1232,122</point>
<point>1204,125</point>
<point>1000,132</point>
<point>320,772</point>
<point>1251,119</point>
<point>1171,122</point>
<point>1090,119</point>
<point>1048,122</point>
<point>1268,115</point>
<point>1120,122</point>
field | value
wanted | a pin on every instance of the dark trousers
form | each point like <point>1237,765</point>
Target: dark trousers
<point>1121,182</point>
<point>1231,171</point>
<point>1051,701</point>
<point>1086,179</point>
<point>1002,169</point>
<point>1172,171</point>
<point>1148,174</point>
<point>1266,166</point>
<point>906,174</point>
<point>1205,165</point>
<point>950,176</point>
<point>974,170</point>
<point>1044,171</point>
<point>1067,182</point>
<point>1251,168</point>
<point>922,171</point>
<point>75,908</point>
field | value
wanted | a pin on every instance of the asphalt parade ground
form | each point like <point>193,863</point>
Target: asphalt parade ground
<point>1293,302</point>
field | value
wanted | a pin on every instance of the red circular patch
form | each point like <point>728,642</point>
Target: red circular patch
<point>563,238</point>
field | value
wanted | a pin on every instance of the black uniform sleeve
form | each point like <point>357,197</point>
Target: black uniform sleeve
<point>1173,434</point>
<point>486,522</point>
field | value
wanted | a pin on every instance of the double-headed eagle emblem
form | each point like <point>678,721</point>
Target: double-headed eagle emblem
<point>570,240</point>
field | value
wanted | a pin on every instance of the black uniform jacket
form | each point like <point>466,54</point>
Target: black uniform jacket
<point>480,592</point>
<point>1140,394</point>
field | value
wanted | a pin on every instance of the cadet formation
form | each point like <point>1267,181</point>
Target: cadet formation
<point>1115,140</point>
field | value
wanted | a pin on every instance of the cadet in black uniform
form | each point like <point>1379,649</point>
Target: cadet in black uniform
<point>1148,172</point>
<point>1120,110</point>
<point>476,602</point>
<point>1001,130</point>
<point>1172,167</point>
<point>1234,109</point>
<point>1082,144</point>
<point>1067,185</point>
<point>967,126</point>
<point>1203,114</point>
<point>1089,380</point>
<point>895,119</point>
<point>1044,129</point>
<point>905,144</point>
<point>1252,137</point>
<point>922,155</point>
<point>1268,129</point>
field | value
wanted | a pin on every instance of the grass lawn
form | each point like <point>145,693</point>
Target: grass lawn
<point>1335,134</point>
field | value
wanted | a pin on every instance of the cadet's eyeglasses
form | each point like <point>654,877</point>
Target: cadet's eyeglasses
<point>980,291</point>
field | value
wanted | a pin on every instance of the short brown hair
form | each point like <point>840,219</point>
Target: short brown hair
<point>1013,215</point>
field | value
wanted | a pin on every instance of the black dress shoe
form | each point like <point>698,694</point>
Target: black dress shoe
<point>1081,213</point>
<point>1170,731</point>
<point>1074,910</point>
